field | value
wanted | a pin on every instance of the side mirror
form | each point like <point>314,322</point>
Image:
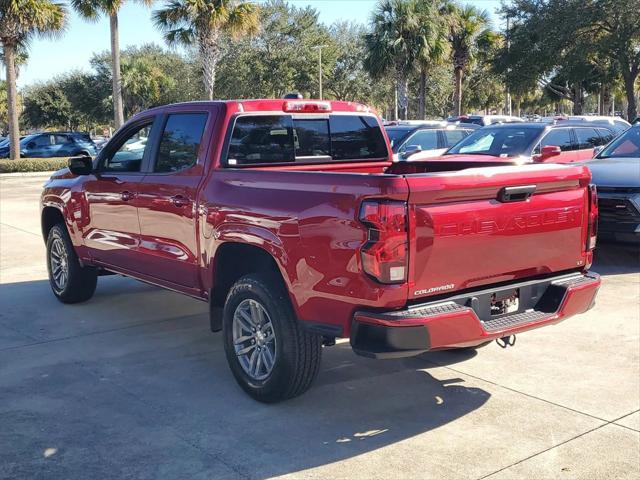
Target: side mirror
<point>549,151</point>
<point>80,165</point>
<point>410,150</point>
<point>597,150</point>
<point>31,145</point>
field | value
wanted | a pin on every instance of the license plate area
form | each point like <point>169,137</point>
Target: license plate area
<point>505,302</point>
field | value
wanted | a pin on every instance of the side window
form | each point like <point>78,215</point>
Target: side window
<point>587,138</point>
<point>426,139</point>
<point>61,139</point>
<point>180,142</point>
<point>261,139</point>
<point>127,154</point>
<point>40,141</point>
<point>452,137</point>
<point>606,135</point>
<point>560,137</point>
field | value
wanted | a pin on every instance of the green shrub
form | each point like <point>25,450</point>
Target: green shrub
<point>32,164</point>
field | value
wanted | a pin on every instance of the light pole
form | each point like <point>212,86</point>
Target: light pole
<point>508,69</point>
<point>319,48</point>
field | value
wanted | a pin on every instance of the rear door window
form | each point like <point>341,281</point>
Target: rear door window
<point>425,139</point>
<point>452,137</point>
<point>560,137</point>
<point>587,138</point>
<point>267,139</point>
<point>180,142</point>
<point>606,135</point>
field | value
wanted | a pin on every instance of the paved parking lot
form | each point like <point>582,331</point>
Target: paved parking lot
<point>133,385</point>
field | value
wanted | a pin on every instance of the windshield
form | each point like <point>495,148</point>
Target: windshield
<point>626,145</point>
<point>498,141</point>
<point>396,135</point>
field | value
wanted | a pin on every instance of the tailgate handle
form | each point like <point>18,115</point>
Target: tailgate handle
<point>516,194</point>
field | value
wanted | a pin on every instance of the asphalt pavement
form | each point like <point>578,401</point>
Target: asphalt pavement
<point>132,384</point>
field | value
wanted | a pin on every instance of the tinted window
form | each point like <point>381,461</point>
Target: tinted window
<point>426,139</point>
<point>261,139</point>
<point>62,139</point>
<point>278,139</point>
<point>497,141</point>
<point>129,151</point>
<point>39,141</point>
<point>626,145</point>
<point>396,135</point>
<point>560,137</point>
<point>606,135</point>
<point>355,138</point>
<point>180,142</point>
<point>311,138</point>
<point>452,137</point>
<point>587,138</point>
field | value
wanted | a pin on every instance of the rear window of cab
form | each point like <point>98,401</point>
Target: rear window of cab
<point>277,139</point>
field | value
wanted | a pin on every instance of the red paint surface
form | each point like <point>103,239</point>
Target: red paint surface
<point>306,218</point>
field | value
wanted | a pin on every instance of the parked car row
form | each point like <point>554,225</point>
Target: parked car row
<point>610,147</point>
<point>52,144</point>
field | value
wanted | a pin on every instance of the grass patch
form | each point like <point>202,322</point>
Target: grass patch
<point>33,164</point>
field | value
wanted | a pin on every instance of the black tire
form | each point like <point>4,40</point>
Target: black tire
<point>81,281</point>
<point>298,353</point>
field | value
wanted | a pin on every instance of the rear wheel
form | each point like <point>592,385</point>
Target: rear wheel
<point>271,357</point>
<point>70,281</point>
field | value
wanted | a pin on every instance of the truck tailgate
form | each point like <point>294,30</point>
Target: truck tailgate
<point>465,232</point>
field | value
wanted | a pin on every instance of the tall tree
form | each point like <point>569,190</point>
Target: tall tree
<point>466,24</point>
<point>392,44</point>
<point>431,44</point>
<point>202,22</point>
<point>20,22</point>
<point>92,10</point>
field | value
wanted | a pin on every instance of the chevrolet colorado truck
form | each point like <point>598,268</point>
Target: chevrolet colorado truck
<point>291,220</point>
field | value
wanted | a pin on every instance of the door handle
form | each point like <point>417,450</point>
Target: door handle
<point>126,196</point>
<point>180,201</point>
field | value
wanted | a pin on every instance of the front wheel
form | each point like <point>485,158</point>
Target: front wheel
<point>271,357</point>
<point>70,281</point>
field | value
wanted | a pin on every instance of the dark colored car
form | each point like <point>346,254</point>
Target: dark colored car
<point>484,120</point>
<point>430,140</point>
<point>616,173</point>
<point>560,142</point>
<point>53,144</point>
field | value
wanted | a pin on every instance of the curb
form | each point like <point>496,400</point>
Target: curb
<point>27,174</point>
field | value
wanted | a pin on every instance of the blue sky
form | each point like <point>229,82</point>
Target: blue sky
<point>73,50</point>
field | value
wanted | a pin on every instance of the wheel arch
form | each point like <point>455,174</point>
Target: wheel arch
<point>233,260</point>
<point>51,215</point>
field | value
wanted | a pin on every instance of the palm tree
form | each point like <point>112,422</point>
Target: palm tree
<point>20,22</point>
<point>466,25</point>
<point>392,44</point>
<point>202,22</point>
<point>92,10</point>
<point>432,45</point>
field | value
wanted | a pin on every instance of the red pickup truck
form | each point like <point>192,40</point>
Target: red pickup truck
<point>291,220</point>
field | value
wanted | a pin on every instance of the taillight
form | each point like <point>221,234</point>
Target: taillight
<point>385,254</point>
<point>592,231</point>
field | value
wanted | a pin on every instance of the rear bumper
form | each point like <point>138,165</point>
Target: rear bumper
<point>459,321</point>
